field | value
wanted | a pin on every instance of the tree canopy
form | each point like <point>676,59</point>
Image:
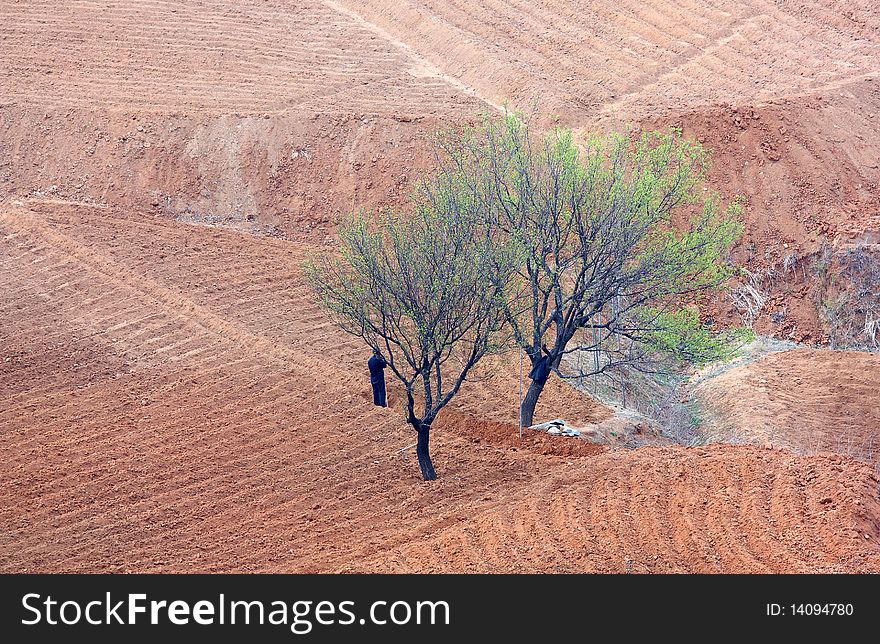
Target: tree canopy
<point>427,289</point>
<point>618,234</point>
<point>535,240</point>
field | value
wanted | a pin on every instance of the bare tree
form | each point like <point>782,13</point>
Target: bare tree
<point>427,290</point>
<point>602,252</point>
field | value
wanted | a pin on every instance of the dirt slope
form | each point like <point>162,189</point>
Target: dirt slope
<point>173,400</point>
<point>262,115</point>
<point>280,117</point>
<point>806,400</point>
<point>630,59</point>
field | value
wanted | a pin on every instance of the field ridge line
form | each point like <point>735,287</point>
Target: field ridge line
<point>431,68</point>
<point>167,299</point>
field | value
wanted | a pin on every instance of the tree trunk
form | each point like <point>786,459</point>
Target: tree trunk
<point>527,410</point>
<point>428,473</point>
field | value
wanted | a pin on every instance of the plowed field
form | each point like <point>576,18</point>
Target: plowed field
<point>172,398</point>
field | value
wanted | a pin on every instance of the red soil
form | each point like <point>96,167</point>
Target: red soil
<point>171,398</point>
<point>807,400</point>
<point>174,400</point>
<point>505,436</point>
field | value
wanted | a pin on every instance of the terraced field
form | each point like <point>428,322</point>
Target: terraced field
<point>630,58</point>
<point>171,397</point>
<point>221,57</point>
<point>807,400</point>
<point>174,401</point>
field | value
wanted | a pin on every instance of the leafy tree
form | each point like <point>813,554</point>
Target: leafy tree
<point>427,289</point>
<point>618,236</point>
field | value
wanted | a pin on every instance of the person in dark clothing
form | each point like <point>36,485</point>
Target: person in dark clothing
<point>377,366</point>
<point>541,370</point>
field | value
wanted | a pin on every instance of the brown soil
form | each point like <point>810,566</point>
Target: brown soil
<point>174,400</point>
<point>253,115</point>
<point>777,155</point>
<point>807,400</point>
<point>505,436</point>
<point>171,397</point>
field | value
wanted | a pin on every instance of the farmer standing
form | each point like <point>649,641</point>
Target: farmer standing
<point>377,366</point>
